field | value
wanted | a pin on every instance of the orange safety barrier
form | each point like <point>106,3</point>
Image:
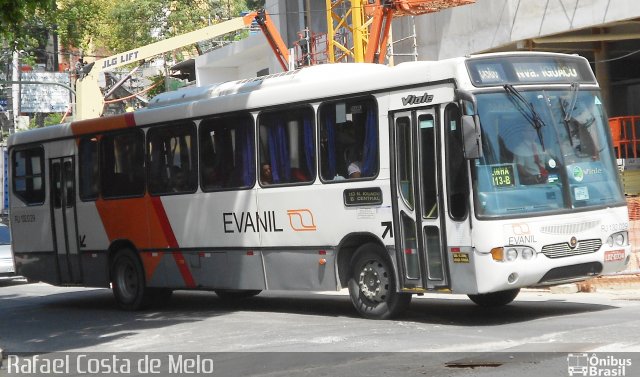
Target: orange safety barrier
<point>625,132</point>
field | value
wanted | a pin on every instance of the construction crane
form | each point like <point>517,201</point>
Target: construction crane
<point>358,30</point>
<point>89,98</point>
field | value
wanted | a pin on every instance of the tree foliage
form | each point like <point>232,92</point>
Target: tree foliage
<point>111,26</point>
<point>22,22</point>
<point>81,22</point>
<point>140,22</point>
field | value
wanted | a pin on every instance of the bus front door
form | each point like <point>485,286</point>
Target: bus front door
<point>418,212</point>
<point>63,209</point>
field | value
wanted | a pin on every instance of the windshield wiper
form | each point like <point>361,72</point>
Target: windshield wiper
<point>568,110</point>
<point>572,102</point>
<point>528,111</point>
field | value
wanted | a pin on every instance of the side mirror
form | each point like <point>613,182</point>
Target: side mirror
<point>472,142</point>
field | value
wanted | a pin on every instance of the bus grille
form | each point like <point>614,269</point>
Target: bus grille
<point>561,250</point>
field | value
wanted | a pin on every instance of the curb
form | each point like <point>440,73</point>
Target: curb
<point>601,282</point>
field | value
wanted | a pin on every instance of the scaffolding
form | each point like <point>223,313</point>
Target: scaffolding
<point>358,30</point>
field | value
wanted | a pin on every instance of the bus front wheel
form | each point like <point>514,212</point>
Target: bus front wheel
<point>128,283</point>
<point>495,299</point>
<point>372,285</point>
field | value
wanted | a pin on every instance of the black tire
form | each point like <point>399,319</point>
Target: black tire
<point>128,281</point>
<point>372,284</point>
<point>495,299</point>
<point>236,294</point>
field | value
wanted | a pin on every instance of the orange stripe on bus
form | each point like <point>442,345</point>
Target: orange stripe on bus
<point>168,232</point>
<point>126,219</point>
<point>97,125</point>
<point>144,222</point>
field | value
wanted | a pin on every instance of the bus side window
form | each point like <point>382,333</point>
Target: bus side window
<point>89,168</point>
<point>287,145</point>
<point>227,153</point>
<point>122,164</point>
<point>172,159</point>
<point>457,180</point>
<point>348,139</point>
<point>28,178</point>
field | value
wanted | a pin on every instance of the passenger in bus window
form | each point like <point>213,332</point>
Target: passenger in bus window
<point>354,164</point>
<point>265,174</point>
<point>299,175</point>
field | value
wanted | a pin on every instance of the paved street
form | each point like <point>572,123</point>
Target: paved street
<point>438,330</point>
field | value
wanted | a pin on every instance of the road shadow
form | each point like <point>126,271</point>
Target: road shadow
<point>459,311</point>
<point>88,318</point>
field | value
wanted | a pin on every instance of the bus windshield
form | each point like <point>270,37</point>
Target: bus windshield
<point>543,151</point>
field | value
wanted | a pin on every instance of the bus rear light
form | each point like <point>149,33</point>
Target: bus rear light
<point>322,252</point>
<point>322,261</point>
<point>250,252</point>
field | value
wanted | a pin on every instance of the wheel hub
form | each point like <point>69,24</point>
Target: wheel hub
<point>373,281</point>
<point>127,280</point>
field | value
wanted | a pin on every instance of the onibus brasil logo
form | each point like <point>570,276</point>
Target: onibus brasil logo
<point>584,364</point>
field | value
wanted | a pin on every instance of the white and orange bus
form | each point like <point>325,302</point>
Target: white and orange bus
<point>478,175</point>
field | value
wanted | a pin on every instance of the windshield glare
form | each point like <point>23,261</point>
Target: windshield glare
<point>545,151</point>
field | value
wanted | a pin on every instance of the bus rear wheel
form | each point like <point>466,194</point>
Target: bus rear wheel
<point>495,299</point>
<point>372,285</point>
<point>128,283</point>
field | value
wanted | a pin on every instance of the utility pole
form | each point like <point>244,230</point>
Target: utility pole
<point>15,88</point>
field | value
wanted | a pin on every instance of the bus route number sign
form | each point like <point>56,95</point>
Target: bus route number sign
<point>363,197</point>
<point>502,176</point>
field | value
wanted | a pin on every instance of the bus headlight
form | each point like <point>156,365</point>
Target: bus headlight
<point>618,239</point>
<point>511,255</point>
<point>527,254</point>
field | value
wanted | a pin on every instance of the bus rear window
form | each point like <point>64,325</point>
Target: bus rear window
<point>28,179</point>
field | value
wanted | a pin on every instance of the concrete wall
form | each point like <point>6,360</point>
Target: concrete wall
<point>475,28</point>
<point>239,60</point>
<point>489,24</point>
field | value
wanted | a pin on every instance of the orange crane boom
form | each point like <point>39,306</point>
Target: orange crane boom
<point>370,23</point>
<point>383,12</point>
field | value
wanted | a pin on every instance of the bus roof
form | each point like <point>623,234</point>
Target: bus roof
<point>306,84</point>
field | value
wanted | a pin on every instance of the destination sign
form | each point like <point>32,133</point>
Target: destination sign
<point>502,176</point>
<point>362,197</point>
<point>527,70</point>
